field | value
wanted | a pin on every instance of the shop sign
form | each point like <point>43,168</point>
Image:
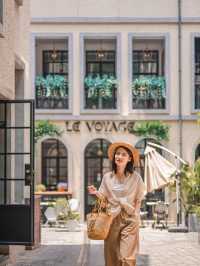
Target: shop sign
<point>100,126</point>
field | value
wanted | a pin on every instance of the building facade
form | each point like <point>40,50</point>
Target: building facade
<point>100,67</point>
<point>14,85</point>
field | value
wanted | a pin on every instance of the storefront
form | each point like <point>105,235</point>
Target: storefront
<point>79,158</point>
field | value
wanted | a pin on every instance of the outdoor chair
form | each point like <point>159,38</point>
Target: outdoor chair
<point>160,216</point>
<point>50,215</point>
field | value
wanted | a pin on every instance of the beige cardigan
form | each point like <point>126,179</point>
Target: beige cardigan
<point>134,191</point>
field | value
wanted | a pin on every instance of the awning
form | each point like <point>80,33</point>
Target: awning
<point>159,172</point>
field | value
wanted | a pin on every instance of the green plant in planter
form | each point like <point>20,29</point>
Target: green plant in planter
<point>155,129</point>
<point>190,188</point>
<point>54,84</point>
<point>100,86</point>
<point>149,87</point>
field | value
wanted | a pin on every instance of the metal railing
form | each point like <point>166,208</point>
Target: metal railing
<point>56,100</point>
<point>99,101</point>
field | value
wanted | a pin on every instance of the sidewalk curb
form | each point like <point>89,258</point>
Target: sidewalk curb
<point>84,253</point>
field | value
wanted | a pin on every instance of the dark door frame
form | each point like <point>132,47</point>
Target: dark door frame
<point>17,220</point>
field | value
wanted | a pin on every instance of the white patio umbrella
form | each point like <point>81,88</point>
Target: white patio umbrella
<point>159,172</point>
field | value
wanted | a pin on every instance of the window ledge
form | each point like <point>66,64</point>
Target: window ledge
<point>100,111</point>
<point>149,111</point>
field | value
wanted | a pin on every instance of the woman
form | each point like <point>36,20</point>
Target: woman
<point>124,190</point>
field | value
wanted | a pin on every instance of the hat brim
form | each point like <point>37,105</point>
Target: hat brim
<point>135,153</point>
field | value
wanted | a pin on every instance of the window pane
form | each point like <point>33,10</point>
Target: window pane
<point>16,192</point>
<point>1,11</point>
<point>93,68</point>
<point>108,68</point>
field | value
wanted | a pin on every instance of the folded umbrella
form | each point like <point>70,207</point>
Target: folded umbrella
<point>159,172</point>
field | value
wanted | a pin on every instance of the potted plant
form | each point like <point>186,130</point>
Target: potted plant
<point>40,188</point>
<point>190,194</point>
<point>52,85</point>
<point>149,88</point>
<point>99,88</point>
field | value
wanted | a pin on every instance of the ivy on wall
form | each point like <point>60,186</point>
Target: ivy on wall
<point>155,129</point>
<point>45,128</point>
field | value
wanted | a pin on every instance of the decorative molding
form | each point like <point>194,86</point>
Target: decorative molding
<point>86,35</point>
<point>49,35</point>
<point>136,117</point>
<point>154,36</point>
<point>89,20</point>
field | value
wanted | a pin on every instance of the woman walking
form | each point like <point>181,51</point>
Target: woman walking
<point>124,190</point>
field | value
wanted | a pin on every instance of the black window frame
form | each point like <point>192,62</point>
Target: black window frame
<point>1,11</point>
<point>53,61</point>
<point>57,159</point>
<point>140,52</point>
<point>100,61</point>
<point>53,102</point>
<point>197,73</point>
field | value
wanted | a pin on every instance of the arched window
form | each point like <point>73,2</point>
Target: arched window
<point>197,152</point>
<point>157,195</point>
<point>54,163</point>
<point>96,165</point>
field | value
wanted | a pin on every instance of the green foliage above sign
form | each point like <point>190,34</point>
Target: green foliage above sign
<point>45,128</point>
<point>155,129</point>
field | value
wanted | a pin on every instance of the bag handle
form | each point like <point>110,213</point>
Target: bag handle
<point>100,204</point>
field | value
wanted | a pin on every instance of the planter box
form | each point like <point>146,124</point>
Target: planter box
<point>194,225</point>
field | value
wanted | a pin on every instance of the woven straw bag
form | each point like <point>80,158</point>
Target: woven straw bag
<point>99,221</point>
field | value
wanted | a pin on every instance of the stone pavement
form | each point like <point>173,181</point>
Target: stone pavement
<point>157,248</point>
<point>58,248</point>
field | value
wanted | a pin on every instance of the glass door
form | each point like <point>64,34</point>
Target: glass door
<point>16,172</point>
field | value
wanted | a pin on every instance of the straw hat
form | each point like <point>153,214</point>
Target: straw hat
<point>112,148</point>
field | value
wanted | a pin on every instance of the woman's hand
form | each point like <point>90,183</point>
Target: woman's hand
<point>126,206</point>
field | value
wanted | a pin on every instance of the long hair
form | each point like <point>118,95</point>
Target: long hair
<point>129,169</point>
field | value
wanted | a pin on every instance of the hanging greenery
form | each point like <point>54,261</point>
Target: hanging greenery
<point>100,86</point>
<point>149,87</point>
<point>155,129</point>
<point>53,85</point>
<point>45,128</point>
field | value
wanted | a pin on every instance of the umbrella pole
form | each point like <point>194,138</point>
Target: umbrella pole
<point>177,199</point>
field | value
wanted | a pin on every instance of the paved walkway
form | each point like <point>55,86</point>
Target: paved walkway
<point>158,248</point>
<point>59,248</point>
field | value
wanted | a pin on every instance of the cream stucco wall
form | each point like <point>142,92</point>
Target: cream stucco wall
<point>104,8</point>
<point>15,47</point>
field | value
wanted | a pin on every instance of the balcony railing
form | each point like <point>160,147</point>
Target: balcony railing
<point>99,101</point>
<point>100,92</point>
<point>149,93</point>
<point>51,92</point>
